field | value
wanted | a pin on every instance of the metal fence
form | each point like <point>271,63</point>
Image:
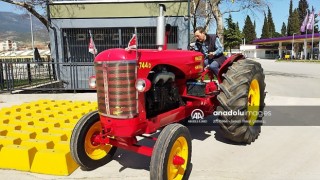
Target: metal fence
<point>72,71</point>
<point>76,40</point>
<point>23,74</point>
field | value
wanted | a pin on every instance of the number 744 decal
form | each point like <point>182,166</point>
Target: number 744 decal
<point>144,65</point>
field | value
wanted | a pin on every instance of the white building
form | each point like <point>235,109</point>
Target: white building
<point>8,45</point>
<point>259,52</point>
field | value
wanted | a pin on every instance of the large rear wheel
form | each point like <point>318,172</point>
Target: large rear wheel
<point>171,155</point>
<point>83,149</point>
<point>242,93</point>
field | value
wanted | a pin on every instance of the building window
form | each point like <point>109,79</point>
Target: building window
<point>76,40</point>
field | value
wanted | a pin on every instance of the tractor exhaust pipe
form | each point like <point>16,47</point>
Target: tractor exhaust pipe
<point>161,28</point>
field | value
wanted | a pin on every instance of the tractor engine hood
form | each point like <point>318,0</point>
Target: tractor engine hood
<point>116,55</point>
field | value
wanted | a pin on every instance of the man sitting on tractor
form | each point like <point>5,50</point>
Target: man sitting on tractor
<point>210,46</point>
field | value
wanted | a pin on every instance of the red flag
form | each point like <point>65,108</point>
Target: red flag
<point>132,43</point>
<point>92,46</point>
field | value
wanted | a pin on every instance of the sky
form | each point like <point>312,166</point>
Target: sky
<point>279,9</point>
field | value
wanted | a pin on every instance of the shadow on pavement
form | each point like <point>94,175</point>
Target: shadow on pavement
<point>129,159</point>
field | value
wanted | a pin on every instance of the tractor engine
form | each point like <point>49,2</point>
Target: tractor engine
<point>163,94</point>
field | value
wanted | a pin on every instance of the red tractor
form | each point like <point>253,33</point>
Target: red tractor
<point>142,91</point>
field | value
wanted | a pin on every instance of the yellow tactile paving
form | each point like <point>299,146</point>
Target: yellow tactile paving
<point>17,157</point>
<point>35,136</point>
<point>51,161</point>
<point>10,140</point>
<point>24,135</point>
<point>9,127</point>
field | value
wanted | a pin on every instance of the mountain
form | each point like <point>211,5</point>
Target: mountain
<point>17,27</point>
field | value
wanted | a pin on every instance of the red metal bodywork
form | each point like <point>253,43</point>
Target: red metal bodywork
<point>185,65</point>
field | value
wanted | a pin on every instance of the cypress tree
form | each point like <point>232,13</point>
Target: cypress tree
<point>272,29</point>
<point>265,28</point>
<point>295,22</point>
<point>249,31</point>
<point>232,34</point>
<point>289,19</point>
<point>283,29</point>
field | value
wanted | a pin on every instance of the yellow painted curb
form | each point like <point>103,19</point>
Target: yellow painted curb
<point>35,136</point>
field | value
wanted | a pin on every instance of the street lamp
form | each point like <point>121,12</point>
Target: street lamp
<point>32,41</point>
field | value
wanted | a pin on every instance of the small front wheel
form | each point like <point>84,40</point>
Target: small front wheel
<point>171,155</point>
<point>83,150</point>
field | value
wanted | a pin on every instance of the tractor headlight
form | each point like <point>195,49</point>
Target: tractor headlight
<point>143,84</point>
<point>92,82</point>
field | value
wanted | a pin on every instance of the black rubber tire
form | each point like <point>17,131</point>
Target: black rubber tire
<point>162,149</point>
<point>77,143</point>
<point>234,96</point>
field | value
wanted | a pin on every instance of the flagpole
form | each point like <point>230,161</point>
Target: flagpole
<point>312,43</point>
<point>312,35</point>
<point>305,45</point>
<point>305,28</point>
<point>319,43</point>
<point>136,32</point>
<point>319,49</point>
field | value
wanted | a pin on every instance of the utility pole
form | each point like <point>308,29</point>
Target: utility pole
<point>32,43</point>
<point>32,40</point>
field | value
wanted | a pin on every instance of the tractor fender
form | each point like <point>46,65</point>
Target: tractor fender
<point>228,62</point>
<point>165,76</point>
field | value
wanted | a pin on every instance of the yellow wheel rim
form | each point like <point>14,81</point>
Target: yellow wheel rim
<point>95,152</point>
<point>179,148</point>
<point>253,101</point>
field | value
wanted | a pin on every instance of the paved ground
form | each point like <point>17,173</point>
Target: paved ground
<point>281,152</point>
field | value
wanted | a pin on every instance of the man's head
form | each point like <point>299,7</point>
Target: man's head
<point>200,34</point>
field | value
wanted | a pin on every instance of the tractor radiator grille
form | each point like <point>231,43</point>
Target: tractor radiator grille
<point>117,95</point>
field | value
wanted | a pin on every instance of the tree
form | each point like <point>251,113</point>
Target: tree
<point>295,25</point>
<point>216,14</point>
<point>272,29</point>
<point>249,31</point>
<point>276,34</point>
<point>31,5</point>
<point>232,34</point>
<point>316,26</point>
<point>302,10</point>
<point>289,19</point>
<point>265,28</point>
<point>283,29</point>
